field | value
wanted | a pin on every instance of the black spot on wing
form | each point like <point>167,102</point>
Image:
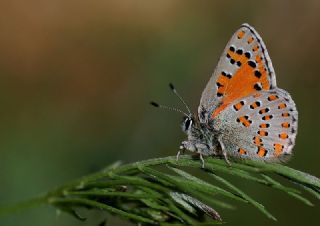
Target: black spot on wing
<point>252,64</point>
<point>226,74</point>
<point>257,86</point>
<point>257,74</point>
<point>239,51</point>
<point>247,55</point>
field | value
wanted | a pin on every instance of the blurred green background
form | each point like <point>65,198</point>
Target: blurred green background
<point>76,78</point>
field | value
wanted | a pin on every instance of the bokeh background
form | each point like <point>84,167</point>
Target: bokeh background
<point>76,78</point>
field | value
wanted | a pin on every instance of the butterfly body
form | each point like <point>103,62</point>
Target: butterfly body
<point>242,112</point>
<point>201,138</point>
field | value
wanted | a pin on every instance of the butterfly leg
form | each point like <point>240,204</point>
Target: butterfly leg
<point>202,160</point>
<point>223,148</point>
<point>182,149</point>
<point>178,155</point>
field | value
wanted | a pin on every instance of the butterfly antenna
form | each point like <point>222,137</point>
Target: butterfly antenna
<point>168,108</point>
<point>180,97</point>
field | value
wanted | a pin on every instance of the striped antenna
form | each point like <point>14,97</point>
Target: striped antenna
<point>168,108</point>
<point>180,98</point>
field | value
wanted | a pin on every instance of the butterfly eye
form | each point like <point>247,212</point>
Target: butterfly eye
<point>187,123</point>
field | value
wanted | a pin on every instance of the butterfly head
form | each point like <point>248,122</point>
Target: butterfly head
<point>201,138</point>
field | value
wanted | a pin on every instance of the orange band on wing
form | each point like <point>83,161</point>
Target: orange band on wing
<point>262,152</point>
<point>249,78</point>
<point>278,148</point>
<point>242,151</point>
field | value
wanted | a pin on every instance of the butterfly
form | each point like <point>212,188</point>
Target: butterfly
<point>242,112</point>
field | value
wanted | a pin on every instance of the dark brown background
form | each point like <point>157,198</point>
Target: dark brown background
<point>76,78</point>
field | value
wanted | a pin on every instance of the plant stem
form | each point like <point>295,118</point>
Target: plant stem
<point>148,199</point>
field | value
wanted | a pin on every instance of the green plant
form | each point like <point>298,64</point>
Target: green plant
<point>161,191</point>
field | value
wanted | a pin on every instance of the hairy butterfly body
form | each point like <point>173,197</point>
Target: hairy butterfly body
<point>242,112</point>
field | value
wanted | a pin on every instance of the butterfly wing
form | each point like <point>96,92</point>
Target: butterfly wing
<point>259,126</point>
<point>244,68</point>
